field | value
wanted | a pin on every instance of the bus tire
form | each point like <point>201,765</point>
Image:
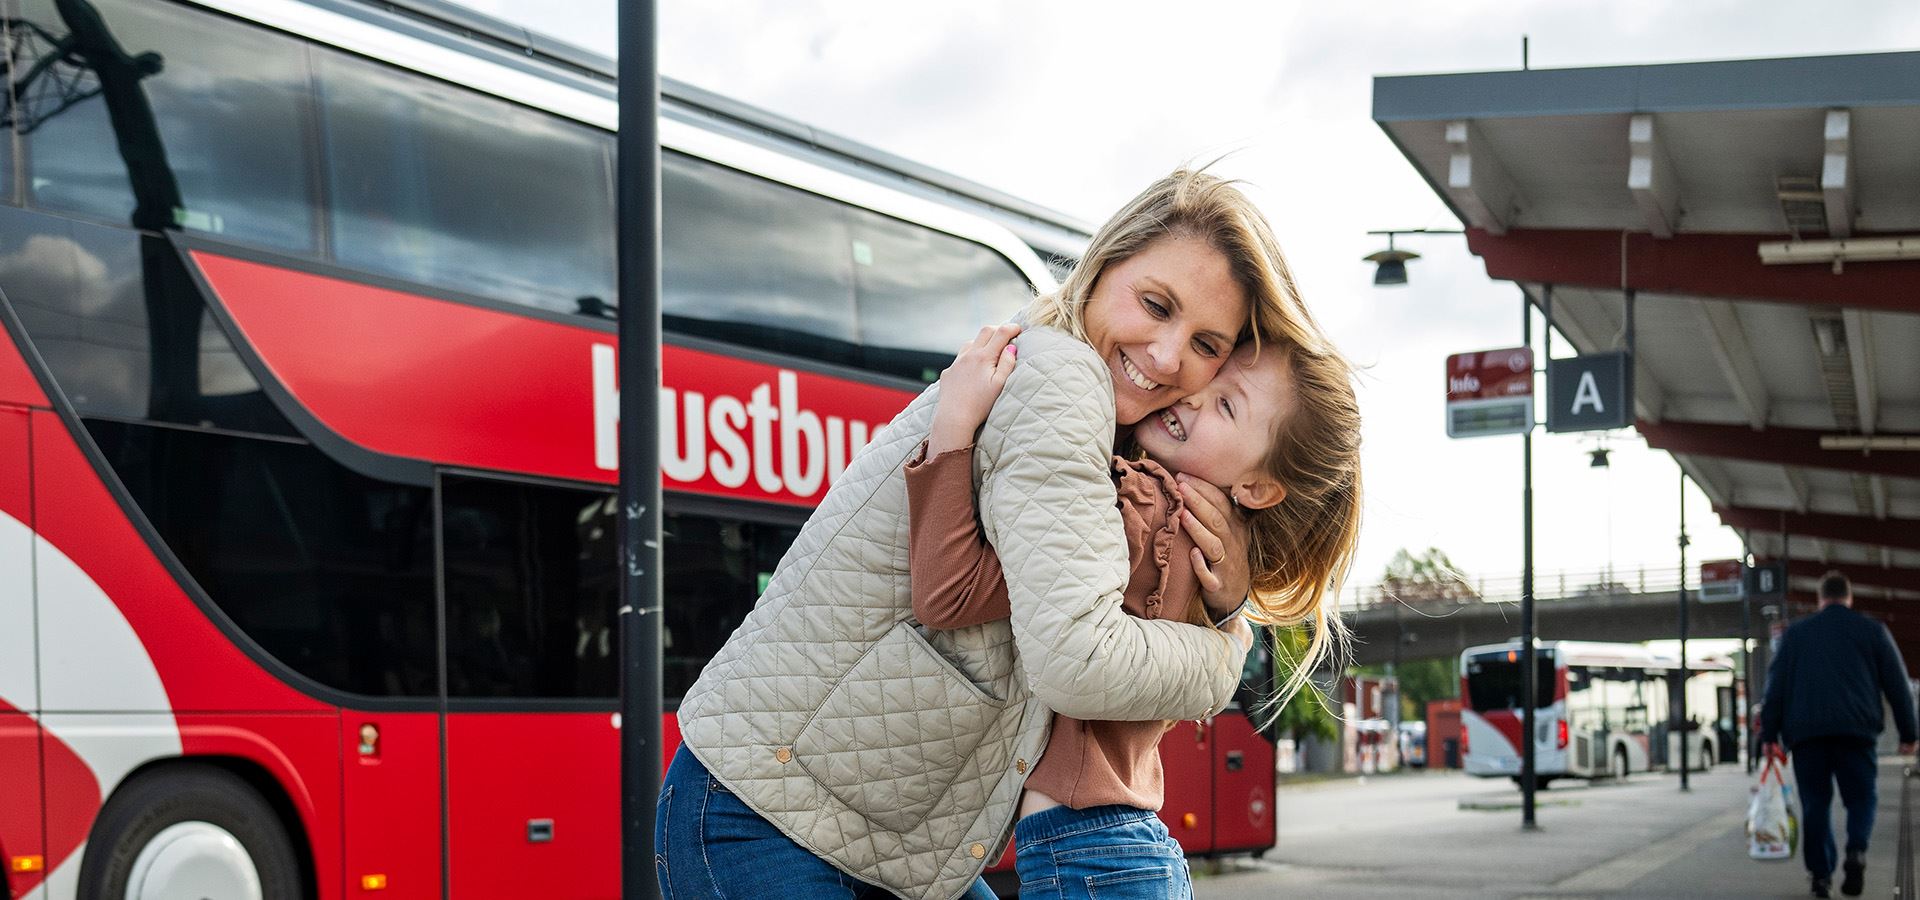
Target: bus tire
<point>195,823</point>
<point>1620,764</point>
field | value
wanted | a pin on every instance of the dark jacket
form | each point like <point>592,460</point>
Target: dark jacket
<point>1827,680</point>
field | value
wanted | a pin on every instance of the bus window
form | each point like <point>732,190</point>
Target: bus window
<point>436,184</point>
<point>1493,683</point>
<point>530,590</point>
<point>225,135</point>
<point>327,570</point>
<point>755,263</point>
<point>716,570</point>
<point>921,294</point>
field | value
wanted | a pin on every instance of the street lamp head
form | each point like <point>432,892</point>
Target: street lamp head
<point>1392,265</point>
<point>1599,458</point>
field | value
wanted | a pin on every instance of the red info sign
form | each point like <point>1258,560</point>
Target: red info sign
<point>1490,392</point>
<point>1489,374</point>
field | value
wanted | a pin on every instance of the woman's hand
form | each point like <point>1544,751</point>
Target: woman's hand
<point>1220,541</point>
<point>969,387</point>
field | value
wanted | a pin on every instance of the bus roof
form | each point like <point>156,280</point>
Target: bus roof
<point>1596,653</point>
<point>578,68</point>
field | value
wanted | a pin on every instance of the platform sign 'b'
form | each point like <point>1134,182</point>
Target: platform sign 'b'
<point>1588,393</point>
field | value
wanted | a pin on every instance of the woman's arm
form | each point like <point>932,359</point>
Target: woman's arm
<point>1047,507</point>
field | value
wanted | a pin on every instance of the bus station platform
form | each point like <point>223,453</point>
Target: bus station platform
<point>1446,835</point>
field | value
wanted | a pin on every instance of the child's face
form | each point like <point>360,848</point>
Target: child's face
<point>1221,433</point>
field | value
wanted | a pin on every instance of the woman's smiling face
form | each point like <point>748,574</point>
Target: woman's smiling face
<point>1164,320</point>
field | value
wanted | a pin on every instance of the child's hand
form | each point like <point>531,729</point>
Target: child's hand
<point>1220,543</point>
<point>969,387</point>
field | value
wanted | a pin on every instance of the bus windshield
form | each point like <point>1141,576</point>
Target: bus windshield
<point>1493,683</point>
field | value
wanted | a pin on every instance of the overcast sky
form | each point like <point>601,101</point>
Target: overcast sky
<point>1077,105</point>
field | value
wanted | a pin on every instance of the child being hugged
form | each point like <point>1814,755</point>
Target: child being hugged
<point>1278,430</point>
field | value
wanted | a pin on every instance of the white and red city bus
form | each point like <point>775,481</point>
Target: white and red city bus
<point>307,405</point>
<point>1602,710</point>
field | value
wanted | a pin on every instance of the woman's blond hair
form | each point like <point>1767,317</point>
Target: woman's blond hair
<point>1190,203</point>
<point>1302,548</point>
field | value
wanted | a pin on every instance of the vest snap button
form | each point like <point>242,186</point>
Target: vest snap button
<point>783,754</point>
<point>978,850</point>
<point>1020,765</point>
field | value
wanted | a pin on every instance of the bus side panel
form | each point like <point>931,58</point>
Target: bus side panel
<point>1187,756</point>
<point>534,804</point>
<point>105,578</point>
<point>17,384</point>
<point>301,753</point>
<point>391,813</point>
<point>20,825</point>
<point>1243,786</point>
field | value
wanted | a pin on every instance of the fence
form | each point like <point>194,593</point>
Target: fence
<point>1459,587</point>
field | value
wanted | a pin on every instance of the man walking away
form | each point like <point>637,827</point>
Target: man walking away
<point>1823,702</point>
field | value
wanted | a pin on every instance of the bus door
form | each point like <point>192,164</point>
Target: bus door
<point>1243,758</point>
<point>22,856</point>
<point>1186,754</point>
<point>531,662</point>
<point>391,812</point>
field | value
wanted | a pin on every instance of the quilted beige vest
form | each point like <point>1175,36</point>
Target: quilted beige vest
<point>898,753</point>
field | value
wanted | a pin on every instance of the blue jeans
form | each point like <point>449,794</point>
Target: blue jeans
<point>709,844</point>
<point>1098,853</point>
<point>1817,764</point>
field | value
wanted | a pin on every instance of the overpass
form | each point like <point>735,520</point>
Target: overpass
<point>1596,608</point>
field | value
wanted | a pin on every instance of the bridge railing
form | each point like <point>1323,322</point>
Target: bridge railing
<point>1462,587</point>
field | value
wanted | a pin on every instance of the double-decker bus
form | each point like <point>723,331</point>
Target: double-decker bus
<point>307,417</point>
<point>1602,710</point>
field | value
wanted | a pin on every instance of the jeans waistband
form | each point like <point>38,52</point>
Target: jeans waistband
<point>1062,821</point>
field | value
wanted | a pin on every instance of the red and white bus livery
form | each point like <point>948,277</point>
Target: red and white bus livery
<point>1602,710</point>
<point>307,422</point>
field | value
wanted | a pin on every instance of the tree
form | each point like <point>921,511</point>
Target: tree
<point>1310,712</point>
<point>1422,681</point>
<point>1425,577</point>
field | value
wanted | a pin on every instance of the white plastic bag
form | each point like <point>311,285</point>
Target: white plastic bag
<point>1772,827</point>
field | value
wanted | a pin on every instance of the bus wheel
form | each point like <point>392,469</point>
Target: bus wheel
<point>189,831</point>
<point>1620,764</point>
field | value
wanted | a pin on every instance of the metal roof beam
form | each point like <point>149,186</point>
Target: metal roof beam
<point>1780,446</point>
<point>1860,573</point>
<point>1719,489</point>
<point>1797,488</point>
<point>1725,266</point>
<point>1734,354</point>
<point>1879,487</point>
<point>1836,174</point>
<point>1866,390</point>
<point>1651,179</point>
<point>1900,534</point>
<point>1477,181</point>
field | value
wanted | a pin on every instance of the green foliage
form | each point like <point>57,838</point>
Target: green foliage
<point>1310,712</point>
<point>1421,682</point>
<point>1427,576</point>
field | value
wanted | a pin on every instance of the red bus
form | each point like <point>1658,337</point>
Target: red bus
<point>1602,710</point>
<point>307,407</point>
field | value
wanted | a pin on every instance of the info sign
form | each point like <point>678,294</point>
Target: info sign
<point>1721,580</point>
<point>1490,392</point>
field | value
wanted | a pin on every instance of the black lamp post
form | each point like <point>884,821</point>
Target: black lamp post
<point>1392,261</point>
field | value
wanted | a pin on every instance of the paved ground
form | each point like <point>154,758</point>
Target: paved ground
<point>1407,836</point>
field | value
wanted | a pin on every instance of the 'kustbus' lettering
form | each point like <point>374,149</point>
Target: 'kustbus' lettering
<point>812,450</point>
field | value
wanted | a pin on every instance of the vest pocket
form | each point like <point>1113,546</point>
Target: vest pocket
<point>894,733</point>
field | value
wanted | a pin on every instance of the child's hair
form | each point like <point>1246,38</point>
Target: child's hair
<point>1302,548</point>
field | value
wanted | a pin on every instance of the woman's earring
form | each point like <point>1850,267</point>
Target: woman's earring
<point>1235,497</point>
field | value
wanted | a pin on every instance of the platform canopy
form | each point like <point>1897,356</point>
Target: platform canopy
<point>1764,215</point>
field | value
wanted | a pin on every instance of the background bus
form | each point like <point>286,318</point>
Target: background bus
<point>1602,710</point>
<point>307,409</point>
